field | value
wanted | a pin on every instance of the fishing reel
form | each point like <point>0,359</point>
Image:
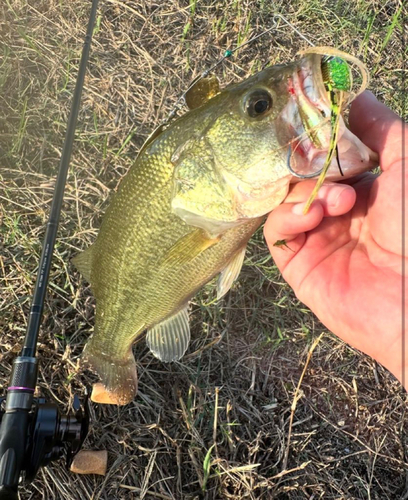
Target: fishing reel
<point>33,432</point>
<point>52,435</point>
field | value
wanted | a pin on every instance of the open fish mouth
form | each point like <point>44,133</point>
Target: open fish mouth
<point>308,81</point>
<point>311,127</point>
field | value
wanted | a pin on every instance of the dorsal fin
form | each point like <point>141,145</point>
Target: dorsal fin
<point>202,91</point>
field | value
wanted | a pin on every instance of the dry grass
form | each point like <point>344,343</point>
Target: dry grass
<point>216,425</point>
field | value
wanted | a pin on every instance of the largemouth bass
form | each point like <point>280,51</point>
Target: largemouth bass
<point>195,195</point>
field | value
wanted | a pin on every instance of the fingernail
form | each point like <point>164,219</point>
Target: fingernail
<point>298,208</point>
<point>369,94</point>
<point>334,195</point>
<point>330,194</point>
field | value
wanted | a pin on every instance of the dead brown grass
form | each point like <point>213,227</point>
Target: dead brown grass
<point>347,433</point>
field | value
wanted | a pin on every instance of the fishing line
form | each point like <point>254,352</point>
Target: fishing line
<point>228,54</point>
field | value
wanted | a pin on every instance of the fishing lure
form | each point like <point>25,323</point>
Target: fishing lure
<point>338,82</point>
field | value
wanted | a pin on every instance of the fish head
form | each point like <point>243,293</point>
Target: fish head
<point>235,163</point>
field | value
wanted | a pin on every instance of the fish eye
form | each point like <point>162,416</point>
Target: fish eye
<point>258,103</point>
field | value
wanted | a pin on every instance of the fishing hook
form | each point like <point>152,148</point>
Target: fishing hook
<point>300,176</point>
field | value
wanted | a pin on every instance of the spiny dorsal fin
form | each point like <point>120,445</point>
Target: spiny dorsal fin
<point>229,274</point>
<point>169,340</point>
<point>188,247</point>
<point>83,262</point>
<point>156,132</point>
<point>202,91</point>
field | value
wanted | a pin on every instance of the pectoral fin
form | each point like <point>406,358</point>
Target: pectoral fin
<point>169,339</point>
<point>156,132</point>
<point>188,247</point>
<point>230,273</point>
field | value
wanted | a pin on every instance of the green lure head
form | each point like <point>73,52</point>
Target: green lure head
<point>336,73</point>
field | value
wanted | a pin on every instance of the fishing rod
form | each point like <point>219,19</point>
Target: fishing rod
<point>33,432</point>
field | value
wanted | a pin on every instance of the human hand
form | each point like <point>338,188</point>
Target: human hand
<point>345,257</point>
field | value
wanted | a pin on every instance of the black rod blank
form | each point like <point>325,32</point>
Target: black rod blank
<point>37,304</point>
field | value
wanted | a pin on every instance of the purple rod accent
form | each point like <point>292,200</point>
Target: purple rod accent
<point>18,388</point>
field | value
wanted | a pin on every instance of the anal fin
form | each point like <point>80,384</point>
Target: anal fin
<point>168,340</point>
<point>83,262</point>
<point>230,273</point>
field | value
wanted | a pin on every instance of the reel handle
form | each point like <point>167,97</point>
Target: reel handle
<point>15,423</point>
<point>13,435</point>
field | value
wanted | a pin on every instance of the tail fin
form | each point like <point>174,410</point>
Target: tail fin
<point>118,375</point>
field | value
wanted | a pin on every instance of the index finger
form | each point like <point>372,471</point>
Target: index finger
<point>379,128</point>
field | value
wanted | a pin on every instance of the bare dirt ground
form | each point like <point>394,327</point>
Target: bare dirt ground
<point>215,425</point>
